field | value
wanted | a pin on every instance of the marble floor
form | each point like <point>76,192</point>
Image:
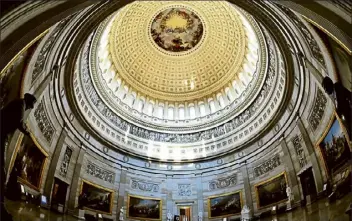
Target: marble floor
<point>321,210</point>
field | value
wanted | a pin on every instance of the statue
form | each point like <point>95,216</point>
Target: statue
<point>200,216</point>
<point>121,214</point>
<point>245,213</point>
<point>289,198</point>
<point>289,194</point>
<point>169,216</point>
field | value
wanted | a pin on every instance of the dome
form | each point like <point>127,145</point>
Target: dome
<point>122,78</point>
<point>150,109</point>
<point>178,90</point>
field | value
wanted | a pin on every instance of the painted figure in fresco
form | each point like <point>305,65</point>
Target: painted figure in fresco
<point>12,119</point>
<point>342,99</point>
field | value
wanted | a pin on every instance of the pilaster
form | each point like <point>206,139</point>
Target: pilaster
<point>318,178</point>
<point>290,171</point>
<point>74,193</point>
<point>247,188</point>
<point>53,164</point>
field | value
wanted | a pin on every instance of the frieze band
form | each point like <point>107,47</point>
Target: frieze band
<point>169,137</point>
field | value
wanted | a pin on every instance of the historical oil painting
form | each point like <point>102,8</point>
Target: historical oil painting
<point>176,29</point>
<point>144,208</point>
<point>334,147</point>
<point>225,205</point>
<point>272,191</point>
<point>30,161</point>
<point>96,198</point>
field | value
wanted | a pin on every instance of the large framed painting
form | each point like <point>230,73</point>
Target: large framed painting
<point>334,146</point>
<point>30,161</point>
<point>96,198</point>
<point>144,208</point>
<point>225,205</point>
<point>271,191</point>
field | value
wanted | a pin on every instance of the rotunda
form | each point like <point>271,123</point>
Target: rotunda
<point>158,110</point>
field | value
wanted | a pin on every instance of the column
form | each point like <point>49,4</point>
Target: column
<point>290,171</point>
<point>247,187</point>
<point>313,157</point>
<point>53,164</point>
<point>73,194</point>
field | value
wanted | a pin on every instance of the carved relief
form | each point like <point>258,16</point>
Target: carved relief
<point>313,45</point>
<point>223,182</point>
<point>184,189</point>
<point>65,161</point>
<point>44,124</point>
<point>100,173</point>
<point>219,131</point>
<point>297,144</point>
<point>318,110</point>
<point>267,166</point>
<point>43,54</point>
<point>144,186</point>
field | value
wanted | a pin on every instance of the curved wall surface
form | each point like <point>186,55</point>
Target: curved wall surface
<point>81,147</point>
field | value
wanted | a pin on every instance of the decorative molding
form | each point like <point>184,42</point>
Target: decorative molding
<point>223,182</point>
<point>184,189</point>
<point>267,166</point>
<point>312,43</point>
<point>43,54</point>
<point>297,144</point>
<point>318,110</point>
<point>44,124</point>
<point>66,161</point>
<point>96,171</point>
<point>145,186</point>
<point>221,130</point>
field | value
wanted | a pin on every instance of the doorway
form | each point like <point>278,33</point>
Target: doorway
<point>185,213</point>
<point>308,185</point>
<point>58,196</point>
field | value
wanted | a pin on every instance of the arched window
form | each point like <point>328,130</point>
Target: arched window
<point>181,112</point>
<point>192,111</point>
<point>170,112</point>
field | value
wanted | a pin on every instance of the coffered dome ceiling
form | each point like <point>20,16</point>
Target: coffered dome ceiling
<point>175,78</point>
<point>179,61</point>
